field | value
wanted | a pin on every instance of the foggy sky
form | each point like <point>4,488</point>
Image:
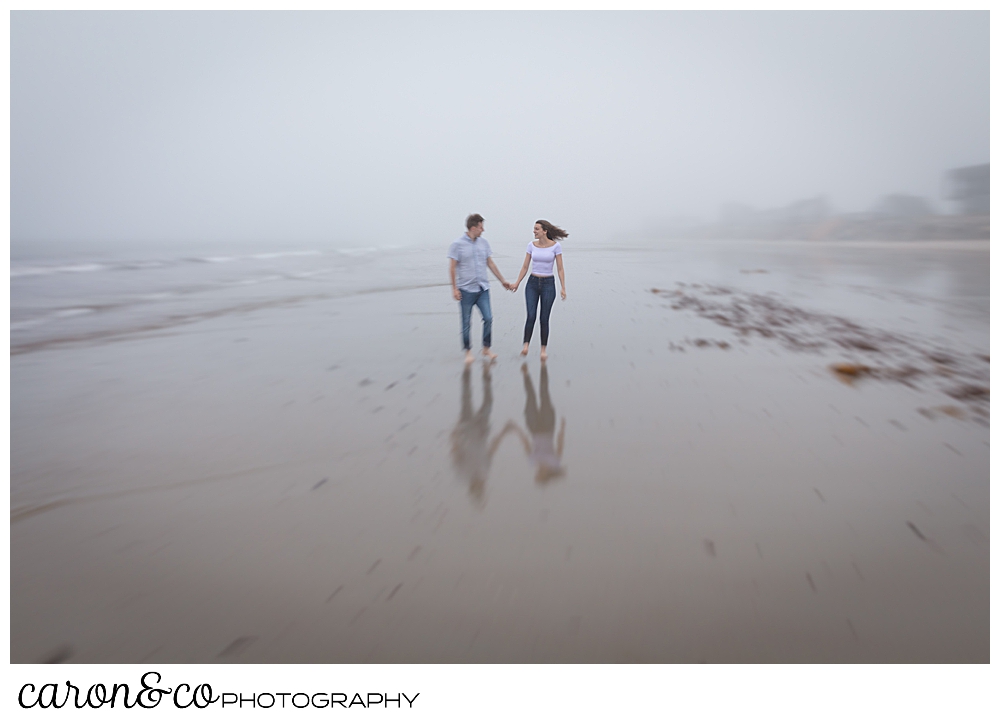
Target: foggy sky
<point>388,128</point>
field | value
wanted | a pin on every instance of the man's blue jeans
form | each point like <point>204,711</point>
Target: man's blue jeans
<point>479,299</point>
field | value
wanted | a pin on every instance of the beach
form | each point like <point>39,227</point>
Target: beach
<point>736,452</point>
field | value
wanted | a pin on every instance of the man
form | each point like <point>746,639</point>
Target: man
<point>470,256</point>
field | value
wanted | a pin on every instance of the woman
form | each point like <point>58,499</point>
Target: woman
<point>544,252</point>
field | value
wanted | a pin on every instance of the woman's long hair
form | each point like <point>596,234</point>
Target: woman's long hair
<point>552,231</point>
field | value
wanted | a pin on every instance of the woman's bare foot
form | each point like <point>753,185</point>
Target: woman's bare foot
<point>469,357</point>
<point>544,356</point>
<point>524,351</point>
<point>489,354</point>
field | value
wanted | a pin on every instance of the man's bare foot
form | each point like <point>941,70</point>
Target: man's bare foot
<point>489,354</point>
<point>469,357</point>
<point>524,351</point>
<point>544,356</point>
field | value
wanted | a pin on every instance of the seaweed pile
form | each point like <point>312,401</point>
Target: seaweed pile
<point>868,353</point>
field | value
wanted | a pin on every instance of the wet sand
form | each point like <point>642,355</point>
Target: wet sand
<point>758,452</point>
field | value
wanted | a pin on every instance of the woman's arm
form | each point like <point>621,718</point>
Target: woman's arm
<point>524,270</point>
<point>562,276</point>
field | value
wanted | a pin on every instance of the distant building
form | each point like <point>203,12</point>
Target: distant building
<point>902,206</point>
<point>806,211</point>
<point>970,187</point>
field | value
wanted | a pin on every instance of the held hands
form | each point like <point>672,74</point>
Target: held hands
<point>562,293</point>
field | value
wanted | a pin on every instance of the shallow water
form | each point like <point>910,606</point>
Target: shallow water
<point>232,455</point>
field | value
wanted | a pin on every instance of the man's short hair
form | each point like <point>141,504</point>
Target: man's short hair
<point>473,220</point>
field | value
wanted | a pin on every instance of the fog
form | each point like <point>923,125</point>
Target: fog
<point>388,128</point>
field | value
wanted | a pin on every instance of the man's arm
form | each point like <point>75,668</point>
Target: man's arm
<point>496,272</point>
<point>454,288</point>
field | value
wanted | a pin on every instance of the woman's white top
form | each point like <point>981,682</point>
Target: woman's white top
<point>542,260</point>
<point>543,452</point>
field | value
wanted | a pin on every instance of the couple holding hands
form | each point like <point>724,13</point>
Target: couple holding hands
<point>470,256</point>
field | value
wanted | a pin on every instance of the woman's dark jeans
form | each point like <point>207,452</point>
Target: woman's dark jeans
<point>536,288</point>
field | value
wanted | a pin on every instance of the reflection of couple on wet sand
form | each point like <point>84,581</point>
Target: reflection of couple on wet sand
<point>471,449</point>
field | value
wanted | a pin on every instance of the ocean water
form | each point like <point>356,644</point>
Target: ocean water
<point>62,295</point>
